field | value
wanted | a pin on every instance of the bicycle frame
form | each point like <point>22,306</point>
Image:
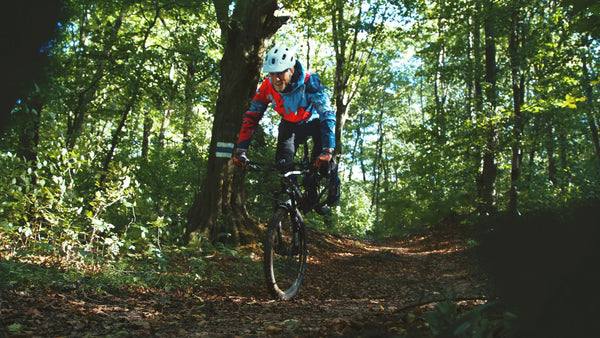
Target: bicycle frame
<point>290,187</point>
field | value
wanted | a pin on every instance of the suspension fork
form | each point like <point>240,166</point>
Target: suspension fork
<point>296,220</point>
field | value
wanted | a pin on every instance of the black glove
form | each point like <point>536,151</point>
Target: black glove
<point>240,159</point>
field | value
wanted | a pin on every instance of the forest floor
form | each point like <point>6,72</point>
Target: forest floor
<point>368,288</point>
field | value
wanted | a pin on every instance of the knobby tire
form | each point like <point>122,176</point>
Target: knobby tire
<point>285,255</point>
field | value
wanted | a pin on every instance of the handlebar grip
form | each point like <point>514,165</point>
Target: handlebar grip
<point>253,167</point>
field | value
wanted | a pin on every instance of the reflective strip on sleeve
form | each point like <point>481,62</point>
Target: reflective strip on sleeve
<point>224,149</point>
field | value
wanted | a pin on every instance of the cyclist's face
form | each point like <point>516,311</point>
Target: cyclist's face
<point>282,79</point>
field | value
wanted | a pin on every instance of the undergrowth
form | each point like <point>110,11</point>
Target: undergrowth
<point>170,269</point>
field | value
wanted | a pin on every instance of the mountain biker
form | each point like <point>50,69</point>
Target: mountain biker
<point>300,99</point>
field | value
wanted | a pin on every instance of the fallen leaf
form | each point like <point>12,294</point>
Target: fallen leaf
<point>273,329</point>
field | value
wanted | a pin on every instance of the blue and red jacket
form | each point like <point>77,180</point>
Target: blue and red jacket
<point>303,101</point>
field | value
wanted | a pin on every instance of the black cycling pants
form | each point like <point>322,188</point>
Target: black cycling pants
<point>291,135</point>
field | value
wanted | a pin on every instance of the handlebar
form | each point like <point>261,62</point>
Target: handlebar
<point>291,185</point>
<point>261,167</point>
<point>267,167</point>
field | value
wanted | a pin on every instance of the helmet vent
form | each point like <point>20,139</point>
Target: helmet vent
<point>278,59</point>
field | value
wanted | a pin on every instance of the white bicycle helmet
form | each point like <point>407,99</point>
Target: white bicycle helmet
<point>278,59</point>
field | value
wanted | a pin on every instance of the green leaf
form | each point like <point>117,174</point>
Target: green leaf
<point>16,327</point>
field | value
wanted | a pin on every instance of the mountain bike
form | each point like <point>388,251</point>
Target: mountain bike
<point>285,246</point>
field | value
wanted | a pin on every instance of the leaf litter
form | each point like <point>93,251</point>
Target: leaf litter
<point>351,288</point>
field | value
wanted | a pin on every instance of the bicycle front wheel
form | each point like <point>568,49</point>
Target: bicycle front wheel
<point>285,253</point>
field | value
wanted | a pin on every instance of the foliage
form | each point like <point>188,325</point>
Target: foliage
<point>122,128</point>
<point>354,215</point>
<point>447,321</point>
<point>44,206</point>
<point>116,143</point>
<point>171,268</point>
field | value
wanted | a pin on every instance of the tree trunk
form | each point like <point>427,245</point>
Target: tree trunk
<point>354,155</point>
<point>587,89</point>
<point>518,84</point>
<point>147,128</point>
<point>340,78</point>
<point>487,177</point>
<point>348,59</point>
<point>218,210</point>
<point>166,116</point>
<point>115,139</point>
<point>190,89</point>
<point>377,164</point>
<point>550,149</point>
<point>478,73</point>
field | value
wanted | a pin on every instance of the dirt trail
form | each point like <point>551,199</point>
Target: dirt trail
<point>353,288</point>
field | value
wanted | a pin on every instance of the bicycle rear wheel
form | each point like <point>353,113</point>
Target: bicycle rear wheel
<point>285,253</point>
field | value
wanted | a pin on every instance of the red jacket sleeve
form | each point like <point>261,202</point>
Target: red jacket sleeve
<point>253,115</point>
